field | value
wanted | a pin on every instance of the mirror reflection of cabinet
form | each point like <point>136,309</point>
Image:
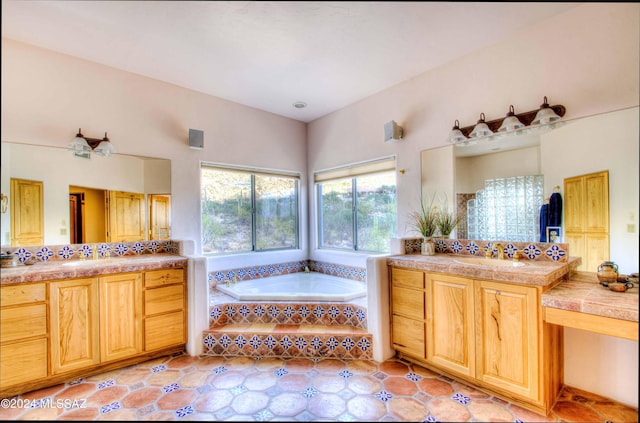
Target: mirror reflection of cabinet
<point>27,212</point>
<point>126,216</point>
<point>587,218</point>
<point>159,216</point>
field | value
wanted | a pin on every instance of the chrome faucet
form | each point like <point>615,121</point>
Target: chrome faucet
<point>500,249</point>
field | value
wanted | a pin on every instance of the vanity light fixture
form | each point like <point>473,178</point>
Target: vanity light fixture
<point>545,114</point>
<point>510,122</point>
<point>83,146</point>
<point>456,134</point>
<point>481,129</point>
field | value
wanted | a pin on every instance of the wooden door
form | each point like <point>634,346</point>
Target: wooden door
<point>120,316</point>
<point>73,307</point>
<point>160,216</point>
<point>587,218</point>
<point>450,323</point>
<point>27,212</point>
<point>507,337</point>
<point>126,216</point>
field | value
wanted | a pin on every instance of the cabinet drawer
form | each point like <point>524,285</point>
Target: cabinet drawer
<point>408,335</point>
<point>161,300</point>
<point>22,362</point>
<point>22,294</point>
<point>164,331</point>
<point>408,278</point>
<point>407,302</point>
<point>23,322</point>
<point>163,277</point>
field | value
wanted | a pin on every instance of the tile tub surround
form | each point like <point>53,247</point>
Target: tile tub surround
<point>268,270</point>
<point>59,269</point>
<point>181,387</point>
<point>535,272</point>
<point>533,251</point>
<point>583,293</point>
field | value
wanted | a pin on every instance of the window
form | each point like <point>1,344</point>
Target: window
<point>358,211</point>
<point>248,210</point>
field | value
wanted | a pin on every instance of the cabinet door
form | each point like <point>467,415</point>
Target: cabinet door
<point>126,216</point>
<point>27,217</point>
<point>450,323</point>
<point>74,324</point>
<point>120,316</point>
<point>507,337</point>
<point>596,188</point>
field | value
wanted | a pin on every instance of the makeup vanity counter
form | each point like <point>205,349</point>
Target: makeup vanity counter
<point>66,319</point>
<point>581,302</point>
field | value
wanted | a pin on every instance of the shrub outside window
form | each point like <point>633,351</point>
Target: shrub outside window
<point>247,210</point>
<point>357,213</point>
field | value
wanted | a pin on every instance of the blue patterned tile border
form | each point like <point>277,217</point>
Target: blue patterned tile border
<point>265,271</point>
<point>50,253</point>
<point>544,251</point>
<point>343,346</point>
<point>289,314</point>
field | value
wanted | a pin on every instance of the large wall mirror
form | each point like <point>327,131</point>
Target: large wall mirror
<point>606,142</point>
<point>51,197</point>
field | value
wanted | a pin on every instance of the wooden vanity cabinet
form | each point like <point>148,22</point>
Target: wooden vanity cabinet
<point>52,332</point>
<point>23,330</point>
<point>487,333</point>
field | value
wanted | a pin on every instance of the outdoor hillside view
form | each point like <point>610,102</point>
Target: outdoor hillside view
<point>228,223</point>
<point>364,221</point>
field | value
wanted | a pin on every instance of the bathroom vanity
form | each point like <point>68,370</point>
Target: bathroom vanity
<point>480,323</point>
<point>498,324</point>
<point>73,318</point>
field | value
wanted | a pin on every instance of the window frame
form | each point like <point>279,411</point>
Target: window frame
<point>352,173</point>
<point>253,172</point>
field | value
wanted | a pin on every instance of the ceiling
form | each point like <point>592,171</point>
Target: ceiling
<point>270,54</point>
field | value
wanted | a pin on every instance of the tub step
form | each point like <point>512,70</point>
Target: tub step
<point>288,340</point>
<point>324,314</point>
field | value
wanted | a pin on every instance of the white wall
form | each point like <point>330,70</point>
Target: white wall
<point>46,96</point>
<point>586,59</point>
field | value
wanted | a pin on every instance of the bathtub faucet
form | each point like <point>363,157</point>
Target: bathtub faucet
<point>228,282</point>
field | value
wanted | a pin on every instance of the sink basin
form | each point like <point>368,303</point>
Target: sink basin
<point>477,261</point>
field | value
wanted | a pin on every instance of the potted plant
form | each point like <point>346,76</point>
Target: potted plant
<point>447,222</point>
<point>425,222</point>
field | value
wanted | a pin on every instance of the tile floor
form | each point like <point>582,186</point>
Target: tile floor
<point>182,387</point>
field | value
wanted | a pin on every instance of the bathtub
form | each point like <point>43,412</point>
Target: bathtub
<point>298,286</point>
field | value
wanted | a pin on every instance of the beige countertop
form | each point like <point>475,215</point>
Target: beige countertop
<point>533,272</point>
<point>69,269</point>
<point>582,293</point>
